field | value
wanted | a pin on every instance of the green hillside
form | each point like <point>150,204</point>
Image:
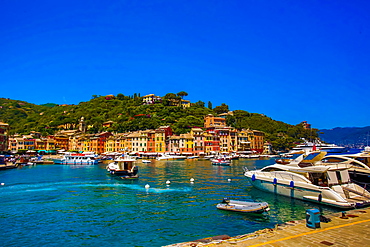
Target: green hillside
<point>129,114</point>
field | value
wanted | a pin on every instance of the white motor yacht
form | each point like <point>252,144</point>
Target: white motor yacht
<point>171,157</point>
<point>326,184</point>
<point>85,158</point>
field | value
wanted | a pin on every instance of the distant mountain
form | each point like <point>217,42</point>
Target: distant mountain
<point>352,136</point>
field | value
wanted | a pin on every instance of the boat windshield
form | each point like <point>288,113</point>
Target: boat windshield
<point>272,169</point>
<point>319,179</point>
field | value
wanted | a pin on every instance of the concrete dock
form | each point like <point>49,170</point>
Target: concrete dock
<point>351,230</point>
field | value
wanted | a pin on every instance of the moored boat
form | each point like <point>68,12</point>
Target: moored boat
<point>318,145</point>
<point>360,162</point>
<point>171,157</point>
<point>221,162</point>
<point>243,206</point>
<point>192,157</point>
<point>86,158</point>
<point>325,184</point>
<point>123,167</point>
<point>6,163</point>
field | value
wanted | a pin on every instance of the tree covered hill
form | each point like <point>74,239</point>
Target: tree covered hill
<point>128,113</point>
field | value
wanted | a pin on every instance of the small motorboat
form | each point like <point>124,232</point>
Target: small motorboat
<point>123,167</point>
<point>221,162</point>
<point>243,206</point>
<point>146,161</point>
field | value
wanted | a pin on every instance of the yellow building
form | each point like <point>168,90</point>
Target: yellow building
<point>160,141</point>
<point>185,103</point>
<point>151,99</point>
<point>257,140</point>
<point>243,143</point>
<point>50,144</point>
<point>198,140</point>
<point>233,140</point>
<point>208,140</point>
<point>186,144</point>
<point>40,144</point>
<point>29,142</point>
<point>75,143</point>
<point>16,143</point>
<point>110,144</point>
<point>85,144</point>
<point>122,143</point>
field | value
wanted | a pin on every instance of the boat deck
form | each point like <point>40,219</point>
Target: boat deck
<point>352,230</point>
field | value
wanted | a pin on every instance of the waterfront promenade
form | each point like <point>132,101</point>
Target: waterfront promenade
<point>352,230</point>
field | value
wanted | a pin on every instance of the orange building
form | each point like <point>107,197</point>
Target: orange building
<point>211,121</point>
<point>151,141</point>
<point>61,142</point>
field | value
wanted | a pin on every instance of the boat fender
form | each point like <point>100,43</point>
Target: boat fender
<point>253,177</point>
<point>319,198</point>
<point>291,184</point>
<point>275,181</point>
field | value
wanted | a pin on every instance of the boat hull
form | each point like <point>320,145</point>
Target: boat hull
<point>221,163</point>
<point>309,193</point>
<point>75,162</point>
<point>244,207</point>
<point>170,158</point>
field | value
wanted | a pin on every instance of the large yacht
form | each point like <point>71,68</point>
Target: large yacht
<point>307,146</point>
<point>328,184</point>
<point>85,158</point>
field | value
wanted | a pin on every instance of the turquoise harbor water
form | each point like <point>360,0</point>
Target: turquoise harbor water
<point>68,205</point>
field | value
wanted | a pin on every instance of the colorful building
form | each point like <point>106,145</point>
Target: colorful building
<point>186,144</point>
<point>211,121</point>
<point>4,140</point>
<point>151,99</point>
<point>198,140</point>
<point>174,144</point>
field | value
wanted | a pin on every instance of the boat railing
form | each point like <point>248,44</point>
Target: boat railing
<point>358,190</point>
<point>280,175</point>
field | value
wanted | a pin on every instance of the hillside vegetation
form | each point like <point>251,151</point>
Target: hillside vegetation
<point>129,114</point>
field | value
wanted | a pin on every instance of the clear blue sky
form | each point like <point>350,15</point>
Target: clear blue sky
<point>292,60</point>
